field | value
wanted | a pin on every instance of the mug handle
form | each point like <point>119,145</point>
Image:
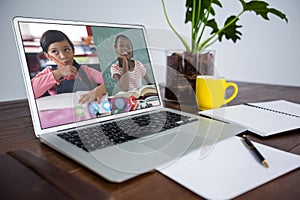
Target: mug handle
<point>235,92</point>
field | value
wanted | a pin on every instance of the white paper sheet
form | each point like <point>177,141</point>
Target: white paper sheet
<point>229,170</point>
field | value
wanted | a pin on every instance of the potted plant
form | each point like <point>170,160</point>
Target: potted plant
<point>196,58</point>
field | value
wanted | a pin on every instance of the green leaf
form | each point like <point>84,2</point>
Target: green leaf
<point>202,6</point>
<point>261,8</point>
<point>201,13</point>
<point>231,32</point>
<point>212,24</point>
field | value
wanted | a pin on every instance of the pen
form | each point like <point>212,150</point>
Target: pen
<point>256,152</point>
<point>60,63</point>
<point>56,60</point>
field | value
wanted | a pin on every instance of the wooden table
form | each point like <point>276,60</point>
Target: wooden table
<point>16,132</point>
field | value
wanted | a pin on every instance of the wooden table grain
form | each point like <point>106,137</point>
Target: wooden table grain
<point>16,132</point>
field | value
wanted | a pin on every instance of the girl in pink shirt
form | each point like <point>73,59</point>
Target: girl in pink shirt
<point>69,76</point>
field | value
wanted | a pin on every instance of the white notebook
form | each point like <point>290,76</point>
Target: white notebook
<point>230,169</point>
<point>264,119</point>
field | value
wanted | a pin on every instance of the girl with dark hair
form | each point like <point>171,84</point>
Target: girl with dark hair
<point>69,76</point>
<point>127,72</point>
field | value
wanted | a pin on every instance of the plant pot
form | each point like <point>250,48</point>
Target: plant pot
<point>182,71</point>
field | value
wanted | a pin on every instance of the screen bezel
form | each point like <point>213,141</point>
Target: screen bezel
<point>30,95</point>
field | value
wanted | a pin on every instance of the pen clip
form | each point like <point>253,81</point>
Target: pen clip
<point>248,142</point>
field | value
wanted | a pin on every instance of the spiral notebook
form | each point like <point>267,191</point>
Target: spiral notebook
<point>264,118</point>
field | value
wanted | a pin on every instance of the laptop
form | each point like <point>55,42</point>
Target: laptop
<point>125,134</point>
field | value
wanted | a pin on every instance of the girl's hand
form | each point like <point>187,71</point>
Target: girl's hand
<point>123,62</point>
<point>68,70</point>
<point>92,95</point>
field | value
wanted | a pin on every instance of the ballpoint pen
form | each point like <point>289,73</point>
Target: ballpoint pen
<point>256,152</point>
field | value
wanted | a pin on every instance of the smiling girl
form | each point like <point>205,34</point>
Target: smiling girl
<point>127,72</point>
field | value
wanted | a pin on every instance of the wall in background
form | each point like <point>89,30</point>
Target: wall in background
<point>267,53</point>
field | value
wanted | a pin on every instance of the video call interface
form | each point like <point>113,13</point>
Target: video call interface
<point>114,56</point>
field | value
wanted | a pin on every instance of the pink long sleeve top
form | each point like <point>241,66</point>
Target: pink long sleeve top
<point>45,81</point>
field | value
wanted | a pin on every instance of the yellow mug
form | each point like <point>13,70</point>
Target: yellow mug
<point>210,92</point>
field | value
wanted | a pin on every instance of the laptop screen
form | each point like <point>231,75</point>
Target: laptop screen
<point>77,72</point>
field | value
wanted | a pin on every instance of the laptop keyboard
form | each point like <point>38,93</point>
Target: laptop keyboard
<point>116,132</point>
